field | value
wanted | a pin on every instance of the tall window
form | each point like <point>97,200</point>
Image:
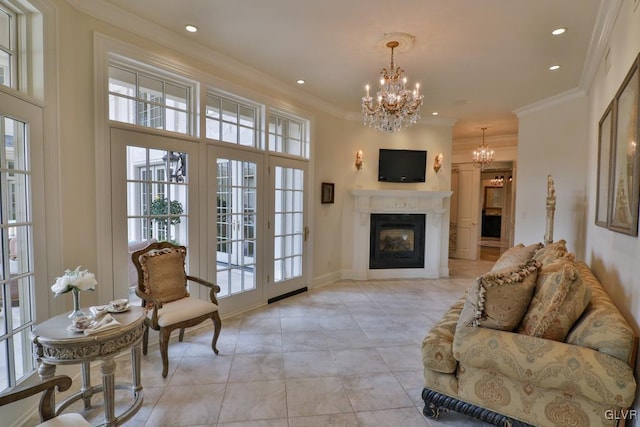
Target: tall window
<point>232,121</point>
<point>143,99</point>
<point>16,263</point>
<point>288,135</point>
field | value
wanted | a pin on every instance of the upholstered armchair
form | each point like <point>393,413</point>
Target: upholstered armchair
<point>162,286</point>
<point>46,407</point>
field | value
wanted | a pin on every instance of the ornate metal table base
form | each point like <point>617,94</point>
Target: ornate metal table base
<point>435,403</point>
<point>55,346</point>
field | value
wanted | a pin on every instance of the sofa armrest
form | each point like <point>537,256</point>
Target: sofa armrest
<point>548,364</point>
<point>437,346</point>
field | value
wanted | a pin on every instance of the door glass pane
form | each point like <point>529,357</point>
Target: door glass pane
<point>157,199</point>
<point>16,264</point>
<point>236,222</point>
<point>288,229</point>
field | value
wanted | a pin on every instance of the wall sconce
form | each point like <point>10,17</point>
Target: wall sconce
<point>437,162</point>
<point>359,162</point>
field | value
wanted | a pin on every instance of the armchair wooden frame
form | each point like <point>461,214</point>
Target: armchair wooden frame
<point>47,387</point>
<point>152,321</point>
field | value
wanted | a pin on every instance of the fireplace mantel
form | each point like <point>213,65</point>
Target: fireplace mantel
<point>435,204</point>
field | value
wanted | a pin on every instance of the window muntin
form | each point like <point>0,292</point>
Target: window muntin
<point>8,33</point>
<point>142,99</point>
<point>16,262</point>
<point>231,121</point>
<point>288,135</point>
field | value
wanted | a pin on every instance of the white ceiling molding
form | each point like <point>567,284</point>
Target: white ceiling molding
<point>605,21</point>
<point>561,98</point>
<point>132,23</point>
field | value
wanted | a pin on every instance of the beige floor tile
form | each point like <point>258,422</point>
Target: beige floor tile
<point>402,357</point>
<point>256,367</point>
<point>316,396</point>
<point>258,400</point>
<point>375,391</point>
<point>359,361</point>
<point>201,370</point>
<point>185,406</point>
<point>405,417</point>
<point>335,420</point>
<point>308,364</point>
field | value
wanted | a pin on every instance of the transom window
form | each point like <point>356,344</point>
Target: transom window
<point>231,121</point>
<point>143,99</point>
<point>288,135</point>
<point>7,46</point>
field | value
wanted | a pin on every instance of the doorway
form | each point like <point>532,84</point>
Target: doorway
<point>496,192</point>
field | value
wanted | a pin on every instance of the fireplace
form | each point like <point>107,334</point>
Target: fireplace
<point>396,241</point>
<point>432,206</point>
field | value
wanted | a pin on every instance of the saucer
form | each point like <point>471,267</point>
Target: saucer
<point>113,310</point>
<point>72,328</point>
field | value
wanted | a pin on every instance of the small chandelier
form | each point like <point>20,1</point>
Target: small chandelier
<point>482,156</point>
<point>498,181</point>
<point>396,106</point>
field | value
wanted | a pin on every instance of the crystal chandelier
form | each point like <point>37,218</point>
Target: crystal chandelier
<point>396,106</point>
<point>482,156</point>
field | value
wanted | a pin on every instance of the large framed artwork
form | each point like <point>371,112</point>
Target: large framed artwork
<point>625,180</point>
<point>605,136</point>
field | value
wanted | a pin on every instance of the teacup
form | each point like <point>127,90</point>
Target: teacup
<point>82,322</point>
<point>119,304</point>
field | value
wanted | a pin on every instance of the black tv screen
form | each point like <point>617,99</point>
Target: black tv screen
<point>402,165</point>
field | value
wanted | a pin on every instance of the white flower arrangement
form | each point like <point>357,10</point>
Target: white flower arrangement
<point>78,279</point>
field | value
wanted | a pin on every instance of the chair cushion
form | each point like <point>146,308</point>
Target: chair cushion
<point>164,275</point>
<point>559,299</point>
<point>499,299</point>
<point>515,256</point>
<point>66,420</point>
<point>183,309</point>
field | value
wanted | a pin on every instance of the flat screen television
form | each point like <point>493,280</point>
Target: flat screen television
<point>402,165</point>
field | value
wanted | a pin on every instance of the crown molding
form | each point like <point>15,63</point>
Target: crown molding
<point>552,101</point>
<point>134,24</point>
<point>605,21</point>
<point>498,141</point>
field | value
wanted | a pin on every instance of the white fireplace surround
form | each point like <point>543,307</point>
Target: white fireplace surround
<point>435,206</point>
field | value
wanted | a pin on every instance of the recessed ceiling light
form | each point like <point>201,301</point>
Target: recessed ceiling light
<point>435,113</point>
<point>191,28</point>
<point>558,31</point>
<point>554,67</point>
<point>300,81</point>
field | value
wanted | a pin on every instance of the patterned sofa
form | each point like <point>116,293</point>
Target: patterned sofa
<point>568,360</point>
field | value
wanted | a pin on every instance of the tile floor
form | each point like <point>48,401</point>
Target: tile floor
<point>345,354</point>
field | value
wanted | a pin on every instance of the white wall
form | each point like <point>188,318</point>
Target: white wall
<point>613,256</point>
<point>435,138</point>
<point>553,140</point>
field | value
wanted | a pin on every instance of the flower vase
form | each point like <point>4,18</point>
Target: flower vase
<point>76,304</point>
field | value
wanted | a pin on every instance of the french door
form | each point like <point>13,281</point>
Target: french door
<point>288,231</point>
<point>235,222</point>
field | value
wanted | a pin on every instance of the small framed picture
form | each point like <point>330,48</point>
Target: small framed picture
<point>327,192</point>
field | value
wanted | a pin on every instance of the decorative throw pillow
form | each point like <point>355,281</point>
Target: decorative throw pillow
<point>551,252</point>
<point>499,299</point>
<point>555,304</point>
<point>163,274</point>
<point>515,256</point>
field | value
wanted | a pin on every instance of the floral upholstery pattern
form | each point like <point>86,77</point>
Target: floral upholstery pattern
<point>515,256</point>
<point>499,299</point>
<point>437,353</point>
<point>559,299</point>
<point>602,327</point>
<point>550,252</point>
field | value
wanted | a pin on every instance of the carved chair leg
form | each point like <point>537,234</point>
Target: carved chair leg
<point>181,335</point>
<point>165,334</point>
<point>145,339</point>
<point>217,323</point>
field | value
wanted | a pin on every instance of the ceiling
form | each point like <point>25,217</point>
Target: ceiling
<point>476,61</point>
